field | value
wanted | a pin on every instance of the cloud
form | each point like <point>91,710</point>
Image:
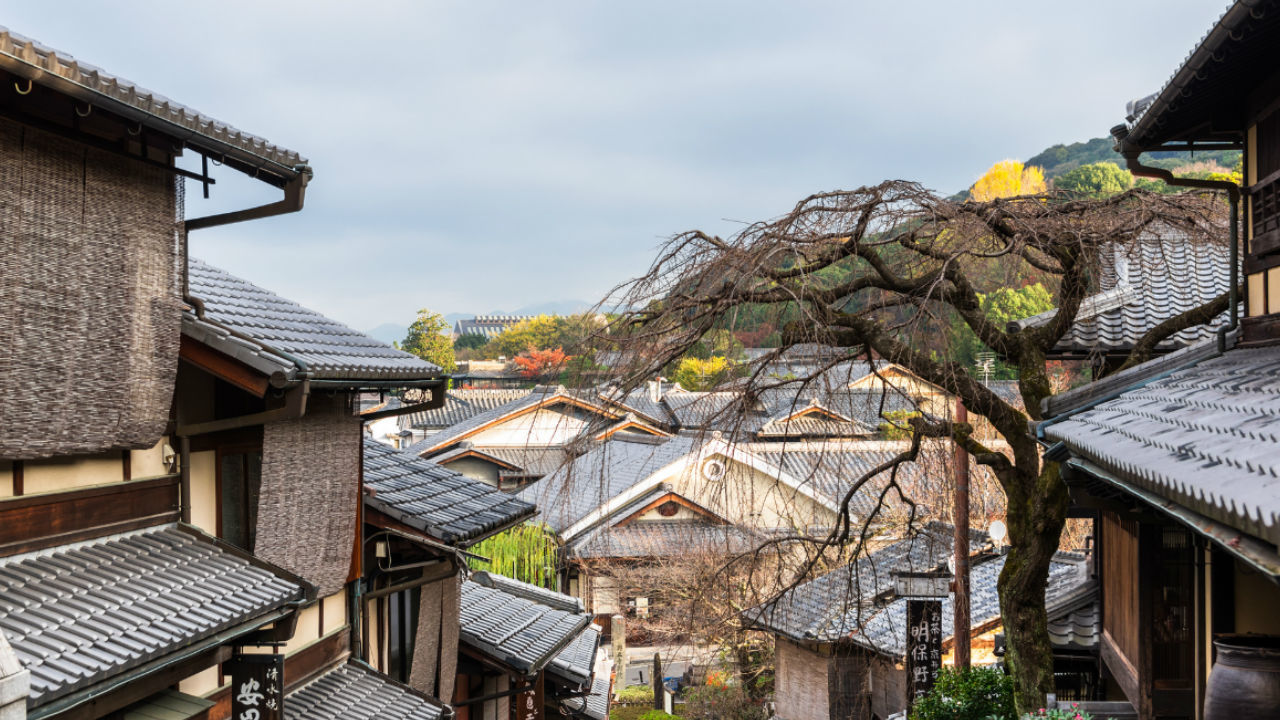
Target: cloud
<point>470,156</point>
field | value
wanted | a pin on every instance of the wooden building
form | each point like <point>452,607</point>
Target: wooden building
<point>1179,457</point>
<point>179,450</point>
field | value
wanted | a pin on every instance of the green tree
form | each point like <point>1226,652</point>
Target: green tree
<point>717,343</point>
<point>470,342</point>
<point>1098,179</point>
<point>1001,306</point>
<point>526,553</point>
<point>427,340</point>
<point>695,373</point>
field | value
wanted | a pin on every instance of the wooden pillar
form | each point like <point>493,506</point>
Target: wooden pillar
<point>960,634</point>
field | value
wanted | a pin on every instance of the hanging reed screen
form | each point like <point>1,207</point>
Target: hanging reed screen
<point>89,301</point>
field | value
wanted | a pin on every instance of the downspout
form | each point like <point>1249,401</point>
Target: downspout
<point>1136,167</point>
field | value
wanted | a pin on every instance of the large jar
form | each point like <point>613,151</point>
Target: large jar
<point>1245,681</point>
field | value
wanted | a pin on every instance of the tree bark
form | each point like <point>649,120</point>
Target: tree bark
<point>1035,521</point>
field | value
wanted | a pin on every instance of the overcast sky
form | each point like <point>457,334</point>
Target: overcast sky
<point>478,156</point>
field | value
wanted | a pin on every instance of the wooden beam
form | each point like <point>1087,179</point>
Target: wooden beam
<point>32,522</point>
<point>223,367</point>
<point>1126,676</point>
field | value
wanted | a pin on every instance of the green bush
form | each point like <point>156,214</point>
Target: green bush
<point>635,694</point>
<point>658,715</point>
<point>1073,714</point>
<point>973,694</point>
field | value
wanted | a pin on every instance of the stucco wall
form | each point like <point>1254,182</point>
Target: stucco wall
<point>749,497</point>
<point>541,427</point>
<point>888,686</point>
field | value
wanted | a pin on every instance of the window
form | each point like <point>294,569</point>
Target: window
<point>402,630</point>
<point>239,482</point>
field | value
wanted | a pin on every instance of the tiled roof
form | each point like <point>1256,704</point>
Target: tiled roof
<point>829,608</point>
<point>1079,628</point>
<point>855,603</point>
<point>530,460</point>
<point>528,591</point>
<point>815,424</point>
<point>884,629</point>
<point>49,66</point>
<point>1206,437</point>
<point>331,350</point>
<point>83,613</point>
<point>515,627</point>
<point>353,691</point>
<point>577,662</point>
<point>489,326</point>
<point>543,395</point>
<point>590,480</point>
<point>595,705</point>
<point>660,538</point>
<point>461,405</point>
<point>436,500</point>
<point>1143,285</point>
<point>830,468</point>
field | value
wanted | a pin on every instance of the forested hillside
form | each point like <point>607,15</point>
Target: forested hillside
<point>1060,159</point>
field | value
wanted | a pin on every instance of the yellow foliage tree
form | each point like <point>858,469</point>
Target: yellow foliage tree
<point>698,374</point>
<point>1008,178</point>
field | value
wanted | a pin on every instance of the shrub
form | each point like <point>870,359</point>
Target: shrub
<point>722,702</point>
<point>1073,714</point>
<point>635,694</point>
<point>658,715</point>
<point>973,694</point>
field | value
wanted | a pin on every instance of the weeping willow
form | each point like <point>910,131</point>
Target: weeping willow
<point>526,553</point>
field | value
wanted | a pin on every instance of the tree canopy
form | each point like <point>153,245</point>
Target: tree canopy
<point>882,272</point>
<point>1008,178</point>
<point>427,340</point>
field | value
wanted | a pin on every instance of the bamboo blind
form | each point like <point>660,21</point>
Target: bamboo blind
<point>90,310</point>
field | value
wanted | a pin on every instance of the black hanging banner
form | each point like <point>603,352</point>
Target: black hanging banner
<point>257,686</point>
<point>924,647</point>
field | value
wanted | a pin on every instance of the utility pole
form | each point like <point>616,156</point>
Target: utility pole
<point>960,636</point>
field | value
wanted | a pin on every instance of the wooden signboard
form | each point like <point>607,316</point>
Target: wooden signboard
<point>257,686</point>
<point>924,647</point>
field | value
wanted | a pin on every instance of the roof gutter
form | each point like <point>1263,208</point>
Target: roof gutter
<point>1237,15</point>
<point>1254,553</point>
<point>1131,154</point>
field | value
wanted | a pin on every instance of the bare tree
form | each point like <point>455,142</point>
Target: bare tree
<point>885,270</point>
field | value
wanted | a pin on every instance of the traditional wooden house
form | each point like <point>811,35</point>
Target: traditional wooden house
<point>179,455</point>
<point>1178,457</point>
<point>840,639</point>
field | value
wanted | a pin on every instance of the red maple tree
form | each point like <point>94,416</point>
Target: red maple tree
<point>535,363</point>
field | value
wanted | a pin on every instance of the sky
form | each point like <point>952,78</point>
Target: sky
<point>480,156</point>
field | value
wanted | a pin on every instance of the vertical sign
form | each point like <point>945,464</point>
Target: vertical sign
<point>924,647</point>
<point>257,686</point>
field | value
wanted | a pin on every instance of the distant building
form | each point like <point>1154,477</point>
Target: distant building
<point>490,326</point>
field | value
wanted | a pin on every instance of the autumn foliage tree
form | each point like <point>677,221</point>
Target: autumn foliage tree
<point>1008,178</point>
<point>535,363</point>
<point>881,272</point>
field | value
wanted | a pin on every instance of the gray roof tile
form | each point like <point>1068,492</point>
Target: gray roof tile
<point>650,538</point>
<point>856,603</point>
<point>489,326</point>
<point>436,500</point>
<point>1142,285</point>
<point>577,662</point>
<point>515,626</point>
<point>162,112</point>
<point>461,405</point>
<point>596,704</point>
<point>352,691</point>
<point>541,396</point>
<point>1205,436</point>
<point>332,350</point>
<point>83,613</point>
<point>579,487</point>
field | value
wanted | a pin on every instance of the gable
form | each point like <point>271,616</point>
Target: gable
<point>672,507</point>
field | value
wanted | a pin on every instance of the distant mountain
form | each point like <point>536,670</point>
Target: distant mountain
<point>387,332</point>
<point>1059,159</point>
